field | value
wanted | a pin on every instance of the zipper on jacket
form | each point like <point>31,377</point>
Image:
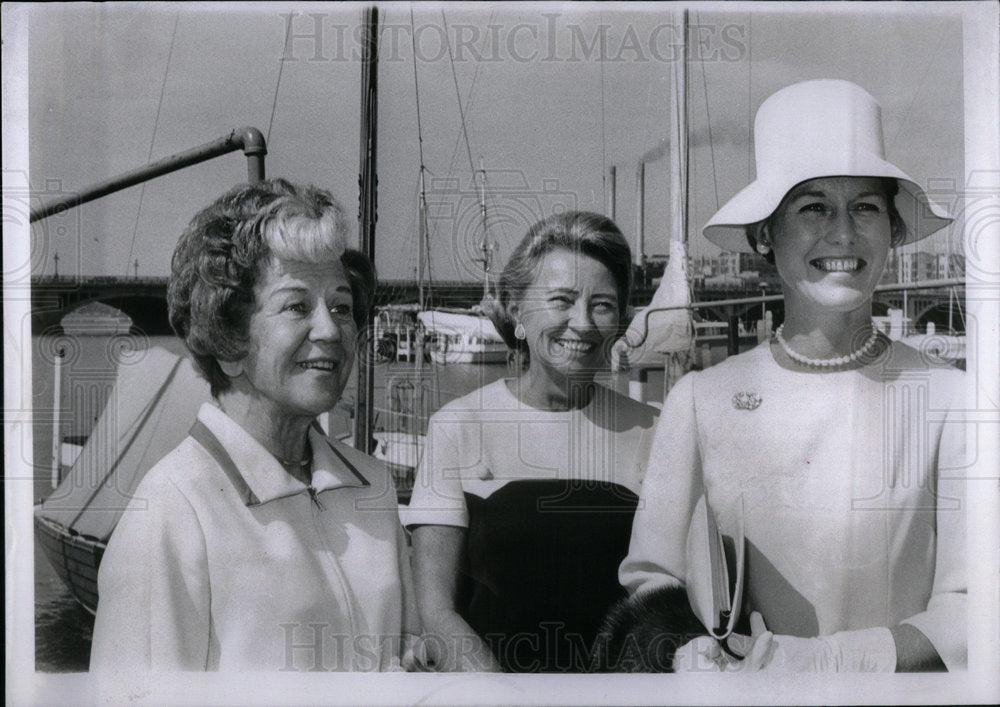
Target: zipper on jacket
<point>315,498</point>
<point>331,561</point>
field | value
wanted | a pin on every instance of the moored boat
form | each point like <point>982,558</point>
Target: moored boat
<point>148,413</point>
<point>462,338</point>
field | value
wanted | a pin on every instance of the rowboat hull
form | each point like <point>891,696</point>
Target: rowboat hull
<point>74,557</point>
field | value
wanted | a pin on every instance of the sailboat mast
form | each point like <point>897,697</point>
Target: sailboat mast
<point>422,247</point>
<point>422,257</point>
<point>677,363</point>
<point>485,246</point>
<point>367,210</point>
<point>679,155</point>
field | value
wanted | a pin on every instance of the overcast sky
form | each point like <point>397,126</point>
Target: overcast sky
<point>115,86</point>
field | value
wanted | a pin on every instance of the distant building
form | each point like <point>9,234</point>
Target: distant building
<point>914,267</point>
<point>728,268</point>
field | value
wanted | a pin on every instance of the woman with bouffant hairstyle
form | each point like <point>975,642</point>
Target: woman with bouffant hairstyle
<point>258,535</point>
<point>220,256</point>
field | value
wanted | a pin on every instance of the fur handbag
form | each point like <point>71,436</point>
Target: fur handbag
<point>640,634</point>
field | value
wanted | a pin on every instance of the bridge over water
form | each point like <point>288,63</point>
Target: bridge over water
<point>144,300</point>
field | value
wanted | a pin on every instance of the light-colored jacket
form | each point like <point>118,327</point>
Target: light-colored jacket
<point>851,484</point>
<point>236,565</point>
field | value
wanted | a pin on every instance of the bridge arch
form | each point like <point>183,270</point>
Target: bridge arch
<point>941,314</point>
<point>880,309</point>
<point>148,312</point>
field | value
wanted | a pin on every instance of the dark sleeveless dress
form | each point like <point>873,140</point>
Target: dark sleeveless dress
<point>542,569</point>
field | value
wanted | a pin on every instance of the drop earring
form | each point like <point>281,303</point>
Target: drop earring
<point>763,241</point>
<point>519,332</point>
<point>233,369</point>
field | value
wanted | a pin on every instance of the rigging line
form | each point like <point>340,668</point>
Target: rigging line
<point>152,141</point>
<point>429,273</point>
<point>604,147</point>
<point>470,100</point>
<point>470,97</point>
<point>413,226</point>
<point>933,61</point>
<point>749,92</point>
<point>461,112</point>
<point>458,96</point>
<point>416,91</point>
<point>496,208</point>
<point>382,24</point>
<point>961,313</point>
<point>708,118</point>
<point>281,67</point>
<point>421,197</point>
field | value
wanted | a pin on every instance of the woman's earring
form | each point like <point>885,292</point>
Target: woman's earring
<point>232,369</point>
<point>763,246</point>
<point>519,332</point>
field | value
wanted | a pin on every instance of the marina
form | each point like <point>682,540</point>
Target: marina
<point>428,343</point>
<point>62,623</point>
<point>406,392</point>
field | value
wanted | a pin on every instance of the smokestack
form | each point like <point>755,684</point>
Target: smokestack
<point>640,216</point>
<point>613,193</point>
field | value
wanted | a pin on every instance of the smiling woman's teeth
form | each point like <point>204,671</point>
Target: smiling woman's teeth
<point>574,345</point>
<point>837,264</point>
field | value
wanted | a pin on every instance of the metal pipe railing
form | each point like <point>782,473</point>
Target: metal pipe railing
<point>250,140</point>
<point>888,287</point>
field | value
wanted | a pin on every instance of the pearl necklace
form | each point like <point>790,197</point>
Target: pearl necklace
<point>828,362</point>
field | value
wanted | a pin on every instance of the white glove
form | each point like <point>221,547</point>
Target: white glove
<point>870,650</point>
<point>864,651</point>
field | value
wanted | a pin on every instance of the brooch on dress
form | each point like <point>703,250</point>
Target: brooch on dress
<point>746,401</point>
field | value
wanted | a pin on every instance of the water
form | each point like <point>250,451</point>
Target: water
<point>62,627</point>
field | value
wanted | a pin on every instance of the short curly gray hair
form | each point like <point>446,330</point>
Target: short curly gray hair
<point>224,249</point>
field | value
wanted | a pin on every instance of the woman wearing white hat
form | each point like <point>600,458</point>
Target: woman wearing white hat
<point>830,440</point>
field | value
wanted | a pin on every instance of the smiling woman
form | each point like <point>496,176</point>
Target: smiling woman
<point>524,497</point>
<point>247,542</point>
<point>842,474</point>
<point>302,337</point>
<point>830,238</point>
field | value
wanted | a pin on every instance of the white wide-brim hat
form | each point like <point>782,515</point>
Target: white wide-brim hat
<point>824,128</point>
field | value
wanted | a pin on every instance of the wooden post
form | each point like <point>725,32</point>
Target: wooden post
<point>733,342</point>
<point>56,421</point>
